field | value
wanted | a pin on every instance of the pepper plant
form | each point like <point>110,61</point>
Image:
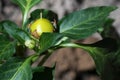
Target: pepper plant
<point>44,33</point>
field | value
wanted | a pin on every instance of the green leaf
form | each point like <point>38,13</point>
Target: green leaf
<point>26,5</point>
<point>104,54</point>
<point>15,32</point>
<point>7,48</point>
<point>111,70</point>
<point>3,37</point>
<point>16,69</point>
<point>83,23</point>
<point>38,69</point>
<point>2,30</point>
<point>117,58</point>
<point>105,64</point>
<point>43,73</point>
<point>48,40</point>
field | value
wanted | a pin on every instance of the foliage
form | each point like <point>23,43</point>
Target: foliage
<point>78,25</point>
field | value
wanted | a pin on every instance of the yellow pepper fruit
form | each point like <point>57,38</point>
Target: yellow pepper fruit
<point>39,26</point>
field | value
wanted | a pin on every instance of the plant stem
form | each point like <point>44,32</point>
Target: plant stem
<point>31,57</point>
<point>73,45</point>
<point>61,40</point>
<point>44,59</point>
<point>24,19</point>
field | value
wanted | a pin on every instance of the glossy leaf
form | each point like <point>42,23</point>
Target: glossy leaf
<point>7,48</point>
<point>83,23</point>
<point>26,5</point>
<point>16,69</point>
<point>43,73</point>
<point>15,32</point>
<point>48,40</point>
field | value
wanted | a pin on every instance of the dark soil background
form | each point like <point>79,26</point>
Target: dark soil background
<point>72,64</point>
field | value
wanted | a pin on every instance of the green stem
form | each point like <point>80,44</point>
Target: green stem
<point>24,19</point>
<point>73,45</point>
<point>61,40</point>
<point>31,57</point>
<point>44,59</point>
<point>82,46</point>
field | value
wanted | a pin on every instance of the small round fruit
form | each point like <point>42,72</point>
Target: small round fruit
<point>41,25</point>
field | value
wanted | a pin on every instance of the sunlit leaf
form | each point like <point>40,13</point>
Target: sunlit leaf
<point>83,23</point>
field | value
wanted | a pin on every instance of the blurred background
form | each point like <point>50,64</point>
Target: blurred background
<point>72,64</point>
